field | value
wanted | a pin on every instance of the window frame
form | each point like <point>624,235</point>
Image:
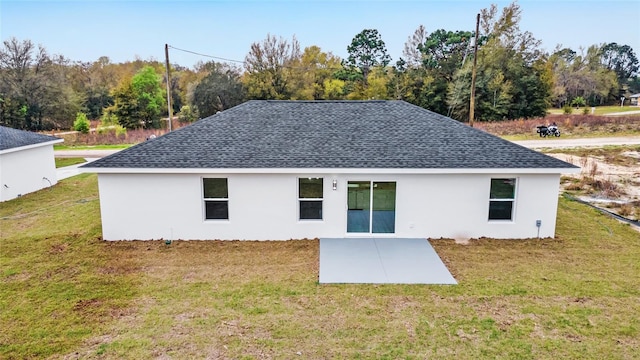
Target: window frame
<point>212,199</point>
<point>300,199</point>
<point>512,200</point>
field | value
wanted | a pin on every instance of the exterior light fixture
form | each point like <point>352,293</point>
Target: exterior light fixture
<point>335,184</point>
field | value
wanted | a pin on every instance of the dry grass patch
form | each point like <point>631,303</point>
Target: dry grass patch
<point>609,177</point>
<point>569,125</point>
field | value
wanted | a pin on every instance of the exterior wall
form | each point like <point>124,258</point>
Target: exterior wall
<point>25,171</point>
<point>265,207</point>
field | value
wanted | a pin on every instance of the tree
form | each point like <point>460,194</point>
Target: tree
<point>622,60</point>
<point>443,53</point>
<point>268,68</point>
<point>34,87</point>
<point>513,81</point>
<point>81,123</point>
<point>582,75</point>
<point>412,55</point>
<point>366,51</point>
<point>147,89</point>
<point>309,73</point>
<point>125,107</point>
<point>139,101</point>
<point>219,90</point>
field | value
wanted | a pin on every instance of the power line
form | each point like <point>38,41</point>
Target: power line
<point>205,55</point>
<point>291,67</point>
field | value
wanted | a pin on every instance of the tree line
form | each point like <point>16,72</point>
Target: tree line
<point>515,78</point>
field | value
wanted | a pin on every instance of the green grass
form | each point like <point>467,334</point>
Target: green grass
<point>66,293</point>
<point>576,135</point>
<point>62,162</point>
<point>92,147</point>
<point>600,110</point>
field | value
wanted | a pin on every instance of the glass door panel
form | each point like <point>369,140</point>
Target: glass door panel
<point>384,207</point>
<point>359,205</point>
<point>371,212</point>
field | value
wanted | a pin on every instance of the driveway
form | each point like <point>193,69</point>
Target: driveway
<point>381,261</point>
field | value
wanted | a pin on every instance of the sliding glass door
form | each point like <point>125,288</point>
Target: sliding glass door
<point>371,211</point>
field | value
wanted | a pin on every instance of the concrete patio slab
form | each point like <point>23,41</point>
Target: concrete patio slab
<point>381,261</point>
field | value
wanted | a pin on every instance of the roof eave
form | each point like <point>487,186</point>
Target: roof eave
<point>32,146</point>
<point>100,170</point>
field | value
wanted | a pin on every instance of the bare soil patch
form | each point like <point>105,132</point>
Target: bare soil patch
<point>609,178</point>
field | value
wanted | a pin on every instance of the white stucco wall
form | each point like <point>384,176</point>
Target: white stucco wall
<point>265,206</point>
<point>26,170</point>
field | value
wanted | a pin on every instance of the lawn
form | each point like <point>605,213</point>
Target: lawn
<point>92,147</point>
<point>62,162</point>
<point>599,110</point>
<point>65,293</point>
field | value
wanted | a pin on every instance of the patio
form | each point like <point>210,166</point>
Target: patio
<point>381,261</point>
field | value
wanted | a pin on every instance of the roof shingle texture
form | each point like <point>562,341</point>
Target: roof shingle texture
<point>328,134</point>
<point>14,138</point>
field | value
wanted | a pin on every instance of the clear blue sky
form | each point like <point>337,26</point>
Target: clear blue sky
<point>124,30</point>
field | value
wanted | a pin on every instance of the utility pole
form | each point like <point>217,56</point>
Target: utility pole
<point>472,102</point>
<point>169,111</point>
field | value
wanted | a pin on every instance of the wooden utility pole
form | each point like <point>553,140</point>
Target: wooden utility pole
<point>472,102</point>
<point>169,111</point>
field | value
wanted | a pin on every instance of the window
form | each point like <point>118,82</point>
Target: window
<point>216,198</point>
<point>501,199</point>
<point>310,198</point>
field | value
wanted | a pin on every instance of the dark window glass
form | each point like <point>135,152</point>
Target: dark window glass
<point>215,188</point>
<point>500,210</point>
<point>502,188</point>
<point>216,209</point>
<point>310,188</point>
<point>310,209</point>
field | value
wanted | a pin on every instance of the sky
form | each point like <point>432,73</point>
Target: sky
<point>126,30</point>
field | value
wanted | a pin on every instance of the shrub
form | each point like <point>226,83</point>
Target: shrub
<point>108,119</point>
<point>120,130</point>
<point>578,102</point>
<point>586,111</point>
<point>567,110</point>
<point>188,114</point>
<point>626,210</point>
<point>81,123</point>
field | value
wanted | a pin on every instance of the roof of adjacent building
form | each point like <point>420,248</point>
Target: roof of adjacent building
<point>328,134</point>
<point>14,138</point>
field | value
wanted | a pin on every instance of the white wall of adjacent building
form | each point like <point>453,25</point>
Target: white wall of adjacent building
<point>23,171</point>
<point>265,207</point>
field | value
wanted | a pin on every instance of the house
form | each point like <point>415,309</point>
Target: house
<point>277,170</point>
<point>26,162</point>
<point>634,99</point>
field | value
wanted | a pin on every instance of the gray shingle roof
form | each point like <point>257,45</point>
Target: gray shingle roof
<point>14,138</point>
<point>328,134</point>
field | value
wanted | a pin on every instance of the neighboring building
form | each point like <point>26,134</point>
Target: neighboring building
<point>634,99</point>
<point>27,163</point>
<point>277,170</point>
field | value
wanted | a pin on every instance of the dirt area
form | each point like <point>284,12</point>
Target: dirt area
<point>608,181</point>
